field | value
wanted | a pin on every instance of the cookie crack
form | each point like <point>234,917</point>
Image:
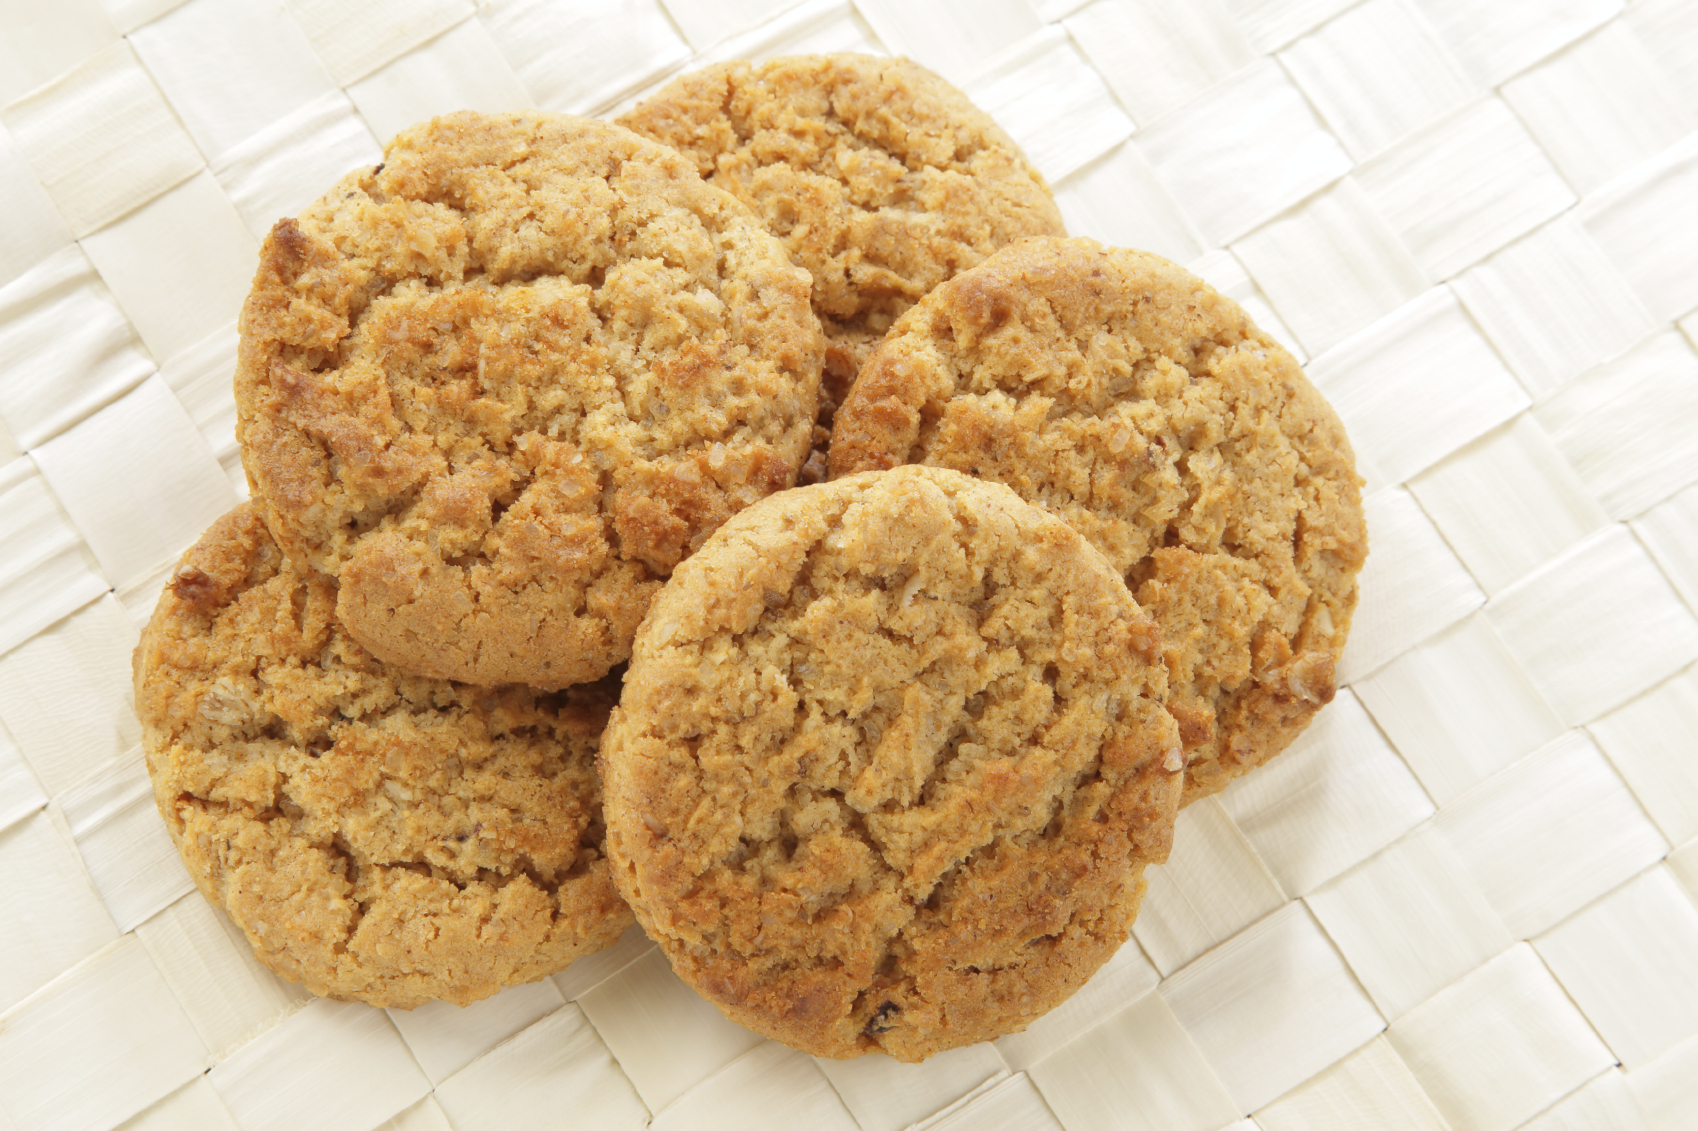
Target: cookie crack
<point>339,849</point>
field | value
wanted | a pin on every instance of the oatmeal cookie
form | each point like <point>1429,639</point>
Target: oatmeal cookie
<point>379,837</point>
<point>1131,399</point>
<point>881,178</point>
<point>502,383</point>
<point>889,764</point>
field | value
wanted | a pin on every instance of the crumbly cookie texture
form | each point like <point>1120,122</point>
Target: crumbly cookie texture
<point>882,179</point>
<point>1131,399</point>
<point>502,383</point>
<point>889,764</point>
<point>378,837</point>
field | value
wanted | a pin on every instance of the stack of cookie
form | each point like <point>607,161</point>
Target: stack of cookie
<point>531,399</point>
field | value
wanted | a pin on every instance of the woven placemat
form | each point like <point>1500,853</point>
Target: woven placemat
<point>1467,898</point>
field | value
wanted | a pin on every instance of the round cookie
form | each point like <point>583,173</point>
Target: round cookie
<point>881,178</point>
<point>500,384</point>
<point>889,763</point>
<point>1131,399</point>
<point>380,837</point>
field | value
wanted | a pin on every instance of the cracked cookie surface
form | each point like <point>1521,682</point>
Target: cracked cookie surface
<point>378,837</point>
<point>502,383</point>
<point>1130,398</point>
<point>881,178</point>
<point>889,763</point>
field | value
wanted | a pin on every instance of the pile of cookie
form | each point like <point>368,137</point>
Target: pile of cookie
<point>529,628</point>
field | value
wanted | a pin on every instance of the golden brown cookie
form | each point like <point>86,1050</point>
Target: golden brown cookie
<point>1131,399</point>
<point>381,837</point>
<point>881,178</point>
<point>889,764</point>
<point>503,382</point>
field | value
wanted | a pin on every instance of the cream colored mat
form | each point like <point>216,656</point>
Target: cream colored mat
<point>1467,898</point>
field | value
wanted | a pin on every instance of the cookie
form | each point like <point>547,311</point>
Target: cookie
<point>889,763</point>
<point>881,178</point>
<point>502,383</point>
<point>1131,399</point>
<point>378,837</point>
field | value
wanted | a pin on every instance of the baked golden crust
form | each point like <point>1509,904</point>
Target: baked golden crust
<point>378,837</point>
<point>502,383</point>
<point>881,178</point>
<point>889,763</point>
<point>1131,399</point>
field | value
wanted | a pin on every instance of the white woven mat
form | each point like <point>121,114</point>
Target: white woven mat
<point>1467,898</point>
